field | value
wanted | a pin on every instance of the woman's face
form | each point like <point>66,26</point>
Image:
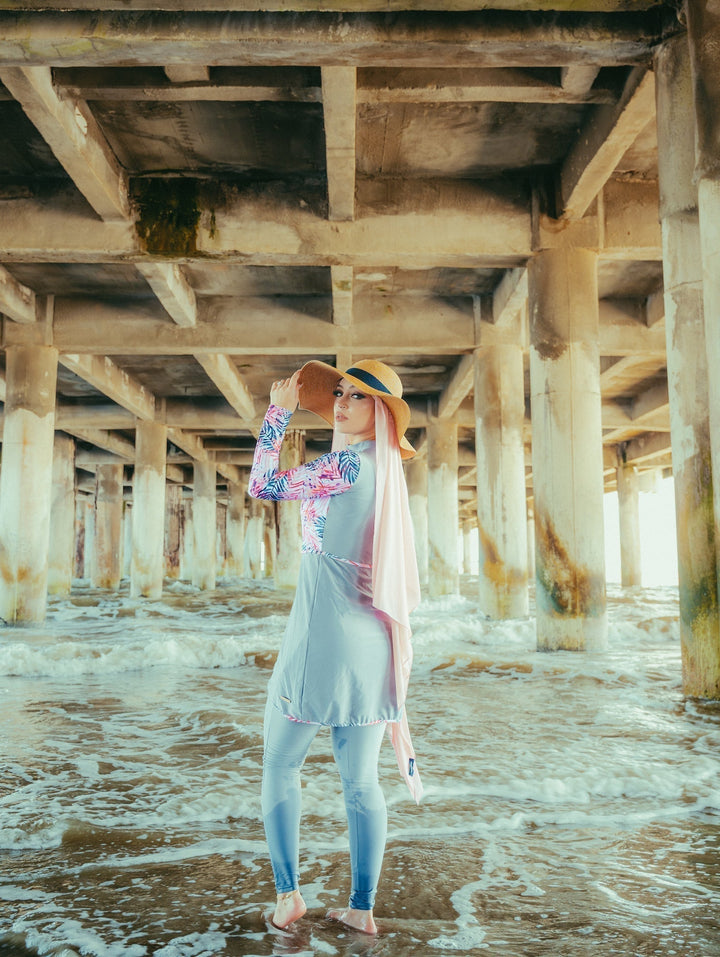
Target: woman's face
<point>354,412</point>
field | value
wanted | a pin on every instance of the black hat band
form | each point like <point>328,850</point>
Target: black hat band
<point>369,379</point>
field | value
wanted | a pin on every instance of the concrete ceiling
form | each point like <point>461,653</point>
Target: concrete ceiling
<point>197,197</point>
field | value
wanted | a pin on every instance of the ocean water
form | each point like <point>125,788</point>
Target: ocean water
<point>572,801</point>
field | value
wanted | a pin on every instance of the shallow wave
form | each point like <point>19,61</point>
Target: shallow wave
<point>117,634</point>
<point>71,658</point>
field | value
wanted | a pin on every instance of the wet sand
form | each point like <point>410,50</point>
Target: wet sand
<point>572,801</point>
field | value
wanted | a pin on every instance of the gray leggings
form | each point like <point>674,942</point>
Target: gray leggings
<point>356,751</point>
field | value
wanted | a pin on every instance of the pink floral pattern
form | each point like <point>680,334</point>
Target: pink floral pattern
<point>313,483</point>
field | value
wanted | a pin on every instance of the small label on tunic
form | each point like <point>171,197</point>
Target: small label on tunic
<point>411,767</point>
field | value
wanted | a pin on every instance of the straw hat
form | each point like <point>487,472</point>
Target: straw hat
<point>318,380</point>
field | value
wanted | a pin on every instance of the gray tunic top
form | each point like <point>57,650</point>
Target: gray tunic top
<point>335,664</point>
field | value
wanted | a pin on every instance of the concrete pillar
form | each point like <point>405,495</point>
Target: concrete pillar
<point>469,531</point>
<point>187,557</point>
<point>531,544</point>
<point>416,475</point>
<point>703,21</point>
<point>567,449</point>
<point>628,488</point>
<point>26,481</point>
<point>236,529</point>
<point>442,443</point>
<point>688,378</point>
<point>709,209</point>
<point>61,554</point>
<point>173,529</point>
<point>703,17</point>
<point>127,539</point>
<point>501,510</point>
<point>148,530</point>
<point>204,525</point>
<point>287,563</point>
<point>220,539</point>
<point>270,539</point>
<point>107,569</point>
<point>254,539</point>
<point>89,522</point>
<point>79,558</point>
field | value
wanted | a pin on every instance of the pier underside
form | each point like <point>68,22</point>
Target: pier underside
<point>496,198</point>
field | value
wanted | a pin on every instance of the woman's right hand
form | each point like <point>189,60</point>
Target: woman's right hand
<point>286,392</point>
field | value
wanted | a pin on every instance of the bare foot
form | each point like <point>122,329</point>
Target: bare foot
<point>290,907</point>
<point>361,920</point>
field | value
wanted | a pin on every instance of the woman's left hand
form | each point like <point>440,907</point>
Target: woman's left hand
<point>286,392</point>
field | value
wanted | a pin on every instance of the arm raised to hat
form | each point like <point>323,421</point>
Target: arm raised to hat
<point>286,392</point>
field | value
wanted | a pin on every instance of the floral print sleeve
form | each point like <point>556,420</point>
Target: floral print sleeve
<point>328,475</point>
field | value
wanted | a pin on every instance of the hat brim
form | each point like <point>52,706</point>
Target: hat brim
<point>317,381</point>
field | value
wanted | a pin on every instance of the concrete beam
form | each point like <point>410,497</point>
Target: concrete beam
<point>224,373</point>
<point>194,447</point>
<point>461,85</point>
<point>89,459</point>
<point>105,416</point>
<point>375,85</point>
<point>218,415</point>
<point>300,326</point>
<point>629,213</point>
<point>649,403</point>
<point>170,285</point>
<point>418,225</point>
<point>191,444</point>
<point>104,439</point>
<point>286,84</point>
<point>185,416</point>
<point>607,135</point>
<point>578,78</point>
<point>266,326</point>
<point>72,133</point>
<point>77,419</point>
<point>619,372</point>
<point>348,6</point>
<point>510,296</point>
<point>174,292</point>
<point>338,87</point>
<point>342,278</point>
<point>618,421</point>
<point>414,224</point>
<point>232,473</point>
<point>173,473</point>
<point>187,73</point>
<point>243,459</point>
<point>653,446</point>
<point>17,302</point>
<point>655,308</point>
<point>624,333</point>
<point>188,414</point>
<point>459,386</point>
<point>108,378</point>
<point>314,39</point>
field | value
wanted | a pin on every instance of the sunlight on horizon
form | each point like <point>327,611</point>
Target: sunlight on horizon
<point>657,536</point>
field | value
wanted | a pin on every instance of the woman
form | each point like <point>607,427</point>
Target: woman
<point>345,658</point>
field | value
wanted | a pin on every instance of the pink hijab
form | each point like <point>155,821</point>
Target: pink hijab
<point>396,585</point>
